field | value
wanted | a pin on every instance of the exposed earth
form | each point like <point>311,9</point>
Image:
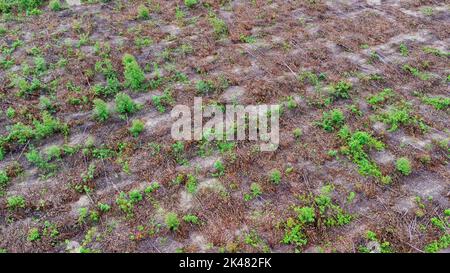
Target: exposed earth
<point>363,159</point>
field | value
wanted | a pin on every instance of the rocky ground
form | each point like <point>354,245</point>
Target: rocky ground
<point>363,160</point>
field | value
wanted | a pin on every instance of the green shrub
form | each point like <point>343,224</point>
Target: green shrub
<point>162,101</point>
<point>441,243</point>
<point>190,3</point>
<point>305,215</point>
<point>191,219</point>
<point>403,50</point>
<point>219,169</point>
<point>255,191</point>
<point>104,207</point>
<point>54,152</point>
<point>135,196</point>
<point>4,180</point>
<point>204,87</point>
<point>153,187</point>
<point>297,132</point>
<point>47,126</point>
<point>403,165</point>
<point>340,90</point>
<point>356,144</point>
<point>275,177</point>
<point>20,132</point>
<point>16,202</point>
<point>33,235</point>
<point>124,104</point>
<point>134,76</point>
<point>172,221</point>
<point>219,26</point>
<point>331,120</point>
<point>439,102</point>
<point>10,112</point>
<point>55,5</point>
<point>143,12</point>
<point>191,183</point>
<point>137,127</point>
<point>101,110</point>
<point>46,104</point>
<point>401,115</point>
<point>380,97</point>
<point>7,6</point>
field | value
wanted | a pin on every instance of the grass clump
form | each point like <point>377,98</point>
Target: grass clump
<point>143,12</point>
<point>190,3</point>
<point>191,183</point>
<point>162,101</point>
<point>33,235</point>
<point>134,76</point>
<point>332,120</point>
<point>341,89</point>
<point>416,72</point>
<point>15,202</point>
<point>172,221</point>
<point>438,102</point>
<point>403,165</point>
<point>397,116</point>
<point>137,127</point>
<point>275,177</point>
<point>125,105</point>
<point>380,97</point>
<point>101,110</point>
<point>55,5</point>
<point>219,26</point>
<point>190,218</point>
<point>255,191</point>
<point>442,243</point>
<point>356,145</point>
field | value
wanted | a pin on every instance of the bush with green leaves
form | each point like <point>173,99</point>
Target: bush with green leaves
<point>380,97</point>
<point>163,100</point>
<point>275,177</point>
<point>134,76</point>
<point>397,116</point>
<point>190,3</point>
<point>4,180</point>
<point>172,221</point>
<point>15,202</point>
<point>219,26</point>
<point>143,12</point>
<point>204,86</point>
<point>403,165</point>
<point>191,183</point>
<point>438,102</point>
<point>13,6</point>
<point>33,235</point>
<point>305,214</point>
<point>341,89</point>
<point>190,218</point>
<point>332,120</point>
<point>10,112</point>
<point>255,191</point>
<point>20,132</point>
<point>356,147</point>
<point>55,5</point>
<point>125,105</point>
<point>101,110</point>
<point>219,168</point>
<point>152,188</point>
<point>137,126</point>
<point>47,126</point>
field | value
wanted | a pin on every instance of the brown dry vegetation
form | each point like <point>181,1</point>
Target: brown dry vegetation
<point>267,51</point>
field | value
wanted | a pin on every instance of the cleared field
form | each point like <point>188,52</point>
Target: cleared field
<point>88,163</point>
